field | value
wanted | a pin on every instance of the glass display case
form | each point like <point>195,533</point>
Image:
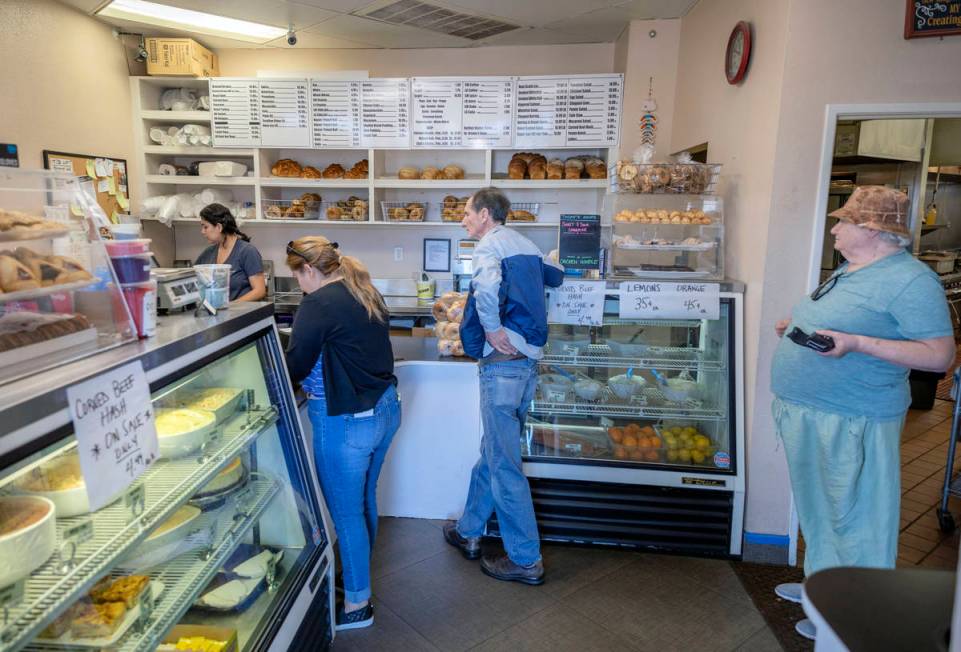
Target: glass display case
<point>59,299</point>
<point>635,434</point>
<point>667,236</point>
<point>221,538</point>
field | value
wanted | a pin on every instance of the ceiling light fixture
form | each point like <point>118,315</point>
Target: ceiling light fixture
<point>160,15</point>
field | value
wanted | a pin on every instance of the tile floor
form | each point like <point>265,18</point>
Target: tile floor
<point>427,597</point>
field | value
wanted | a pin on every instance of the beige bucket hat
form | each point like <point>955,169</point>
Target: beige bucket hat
<point>878,208</point>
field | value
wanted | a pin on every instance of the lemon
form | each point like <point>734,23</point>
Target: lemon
<point>684,455</point>
<point>691,431</point>
<point>701,441</point>
<point>672,455</point>
<point>697,457</point>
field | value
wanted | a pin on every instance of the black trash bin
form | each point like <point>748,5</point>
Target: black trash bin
<point>924,387</point>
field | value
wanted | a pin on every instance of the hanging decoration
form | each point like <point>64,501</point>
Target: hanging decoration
<point>649,116</point>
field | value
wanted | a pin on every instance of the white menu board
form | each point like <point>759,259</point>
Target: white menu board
<point>437,105</point>
<point>593,110</point>
<point>284,113</point>
<point>488,112</point>
<point>336,109</point>
<point>385,112</point>
<point>540,113</point>
<point>235,112</point>
<point>660,300</point>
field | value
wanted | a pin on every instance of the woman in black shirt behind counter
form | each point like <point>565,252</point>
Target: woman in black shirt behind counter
<point>340,352</point>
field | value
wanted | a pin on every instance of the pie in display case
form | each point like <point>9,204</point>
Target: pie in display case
<point>635,433</point>
<point>222,537</point>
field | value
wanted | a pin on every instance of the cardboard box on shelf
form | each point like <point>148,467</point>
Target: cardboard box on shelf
<point>225,634</point>
<point>180,56</point>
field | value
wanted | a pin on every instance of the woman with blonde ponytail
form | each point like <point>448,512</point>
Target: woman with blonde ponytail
<point>340,352</point>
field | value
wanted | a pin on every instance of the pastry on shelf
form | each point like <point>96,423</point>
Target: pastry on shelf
<point>397,214</point>
<point>25,328</point>
<point>573,168</point>
<point>310,172</point>
<point>296,210</point>
<point>17,225</point>
<point>537,168</point>
<point>521,216</point>
<point>97,620</point>
<point>286,167</point>
<point>274,212</point>
<point>125,589</point>
<point>15,276</point>
<point>454,172</point>
<point>595,168</point>
<point>430,173</point>
<point>309,197</point>
<point>415,214</point>
<point>408,172</point>
<point>450,201</point>
<point>517,168</point>
<point>555,169</point>
<point>358,213</point>
<point>334,213</point>
<point>333,171</point>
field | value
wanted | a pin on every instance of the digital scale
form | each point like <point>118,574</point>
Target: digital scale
<point>176,288</point>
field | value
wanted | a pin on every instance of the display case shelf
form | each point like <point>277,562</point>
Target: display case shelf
<point>662,358</point>
<point>115,531</point>
<point>690,410</point>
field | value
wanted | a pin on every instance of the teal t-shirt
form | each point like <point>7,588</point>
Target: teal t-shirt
<point>895,298</point>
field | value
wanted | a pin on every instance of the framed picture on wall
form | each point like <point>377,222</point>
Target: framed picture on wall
<point>436,255</point>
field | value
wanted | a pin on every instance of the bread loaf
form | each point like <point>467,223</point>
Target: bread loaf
<point>431,173</point>
<point>555,169</point>
<point>517,168</point>
<point>408,172</point>
<point>286,167</point>
<point>573,168</point>
<point>454,172</point>
<point>596,169</point>
<point>333,171</point>
<point>521,216</point>
<point>309,172</point>
<point>537,169</point>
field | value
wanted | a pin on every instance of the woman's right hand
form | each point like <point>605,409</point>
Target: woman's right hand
<point>781,326</point>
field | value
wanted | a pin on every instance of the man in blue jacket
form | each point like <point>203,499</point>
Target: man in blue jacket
<point>505,328</point>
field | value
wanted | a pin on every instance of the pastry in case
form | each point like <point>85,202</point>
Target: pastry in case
<point>222,401</point>
<point>61,481</point>
<point>182,431</point>
<point>28,535</point>
<point>229,478</point>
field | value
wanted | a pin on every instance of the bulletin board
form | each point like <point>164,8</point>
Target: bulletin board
<point>109,177</point>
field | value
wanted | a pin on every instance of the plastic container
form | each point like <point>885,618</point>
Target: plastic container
<point>132,269</point>
<point>125,231</point>
<point>141,299</point>
<point>555,388</point>
<point>127,247</point>
<point>214,284</point>
<point>624,387</point>
<point>588,389</point>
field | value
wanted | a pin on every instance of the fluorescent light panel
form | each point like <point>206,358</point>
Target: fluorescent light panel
<point>153,13</point>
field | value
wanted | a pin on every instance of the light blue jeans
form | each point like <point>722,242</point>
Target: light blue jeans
<point>497,481</point>
<point>349,451</point>
<point>846,476</point>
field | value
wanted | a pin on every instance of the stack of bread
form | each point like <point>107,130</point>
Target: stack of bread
<point>530,165</point>
<point>404,212</point>
<point>689,178</point>
<point>663,216</point>
<point>431,173</point>
<point>287,167</point>
<point>453,208</point>
<point>449,312</point>
<point>353,208</point>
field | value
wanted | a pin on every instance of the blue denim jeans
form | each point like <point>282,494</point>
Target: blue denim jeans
<point>497,481</point>
<point>349,451</point>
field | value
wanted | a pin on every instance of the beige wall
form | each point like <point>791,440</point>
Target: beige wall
<point>837,53</point>
<point>640,58</point>
<point>64,79</point>
<point>740,124</point>
<point>513,60</point>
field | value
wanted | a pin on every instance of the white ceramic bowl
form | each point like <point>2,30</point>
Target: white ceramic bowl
<point>25,549</point>
<point>588,389</point>
<point>624,386</point>
<point>178,441</point>
<point>555,388</point>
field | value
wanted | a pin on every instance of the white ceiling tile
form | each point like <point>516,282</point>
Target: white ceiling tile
<point>529,13</point>
<point>383,35</point>
<point>603,25</point>
<point>307,39</point>
<point>211,42</point>
<point>651,9</point>
<point>538,36</point>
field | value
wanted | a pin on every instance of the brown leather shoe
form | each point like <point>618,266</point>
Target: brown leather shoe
<point>468,546</point>
<point>502,568</point>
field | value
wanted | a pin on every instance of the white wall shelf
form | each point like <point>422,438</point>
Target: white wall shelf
<point>300,182</point>
<point>551,184</point>
<point>197,151</point>
<point>172,180</point>
<point>474,181</point>
<point>157,115</point>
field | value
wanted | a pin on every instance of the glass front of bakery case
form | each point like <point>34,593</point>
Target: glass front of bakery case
<point>199,553</point>
<point>637,393</point>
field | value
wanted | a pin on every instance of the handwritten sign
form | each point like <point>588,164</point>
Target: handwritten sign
<point>580,303</point>
<point>579,241</point>
<point>114,423</point>
<point>932,18</point>
<point>655,300</point>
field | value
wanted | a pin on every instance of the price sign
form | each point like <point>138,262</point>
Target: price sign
<point>437,105</point>
<point>136,501</point>
<point>114,424</point>
<point>284,114</point>
<point>655,300</point>
<point>580,303</point>
<point>235,112</point>
<point>12,595</point>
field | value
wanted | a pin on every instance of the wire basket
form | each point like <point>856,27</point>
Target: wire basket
<point>352,210</point>
<point>658,178</point>
<point>403,211</point>
<point>523,212</point>
<point>290,209</point>
<point>452,208</point>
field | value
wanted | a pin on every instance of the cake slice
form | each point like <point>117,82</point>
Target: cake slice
<point>97,620</point>
<point>123,589</point>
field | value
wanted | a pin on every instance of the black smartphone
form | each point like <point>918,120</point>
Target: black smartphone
<point>819,343</point>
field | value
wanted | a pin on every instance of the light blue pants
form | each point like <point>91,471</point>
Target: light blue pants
<point>498,482</point>
<point>349,452</point>
<point>846,477</point>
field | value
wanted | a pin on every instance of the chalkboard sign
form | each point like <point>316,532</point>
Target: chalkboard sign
<point>931,18</point>
<point>579,241</point>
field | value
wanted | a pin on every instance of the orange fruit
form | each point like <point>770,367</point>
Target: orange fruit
<point>629,441</point>
<point>632,428</point>
<point>643,442</point>
<point>637,454</point>
<point>616,435</point>
<point>620,452</point>
<point>656,442</point>
<point>651,456</point>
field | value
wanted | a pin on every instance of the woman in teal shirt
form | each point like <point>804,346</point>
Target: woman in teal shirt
<point>840,413</point>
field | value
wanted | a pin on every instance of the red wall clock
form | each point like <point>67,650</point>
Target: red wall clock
<point>738,53</point>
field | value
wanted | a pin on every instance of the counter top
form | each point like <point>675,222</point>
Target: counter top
<point>25,401</point>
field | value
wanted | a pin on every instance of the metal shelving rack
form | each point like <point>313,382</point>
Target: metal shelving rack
<point>116,530</point>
